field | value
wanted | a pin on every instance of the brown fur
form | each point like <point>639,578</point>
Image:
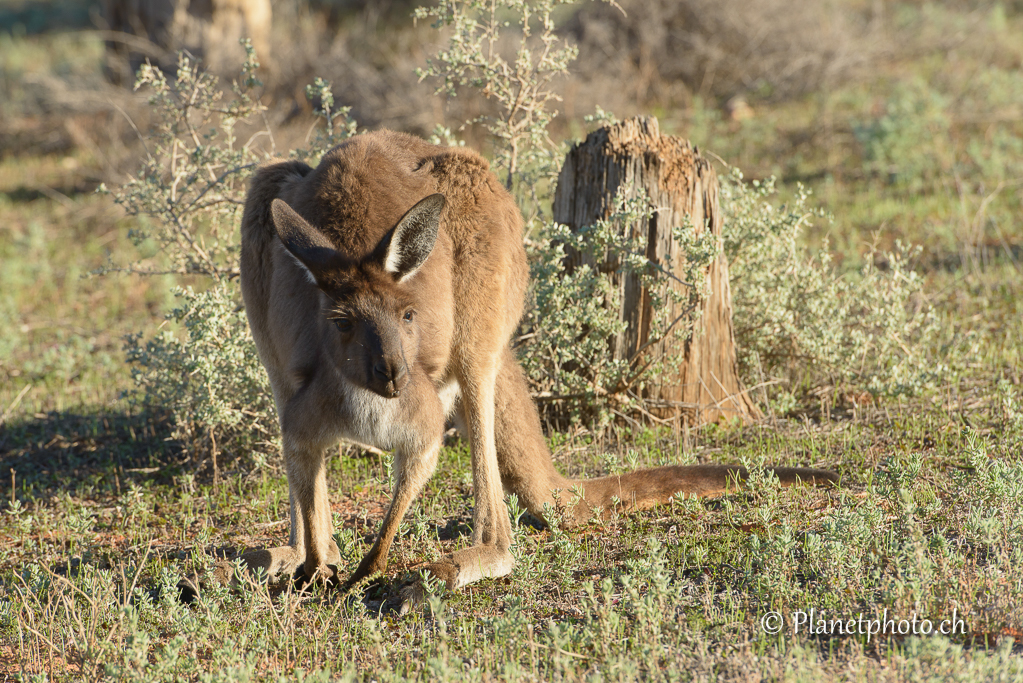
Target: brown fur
<point>359,348</point>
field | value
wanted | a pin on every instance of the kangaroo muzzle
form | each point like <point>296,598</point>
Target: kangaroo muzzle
<point>390,377</point>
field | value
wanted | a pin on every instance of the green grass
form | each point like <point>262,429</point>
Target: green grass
<point>925,523</point>
<point>103,511</point>
<point>63,328</point>
<point>942,111</point>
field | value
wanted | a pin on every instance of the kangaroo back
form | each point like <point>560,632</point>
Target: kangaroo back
<point>258,234</point>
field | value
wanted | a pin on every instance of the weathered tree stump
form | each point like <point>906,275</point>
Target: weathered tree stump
<point>632,156</point>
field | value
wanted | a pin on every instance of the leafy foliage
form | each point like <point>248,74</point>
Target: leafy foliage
<point>520,84</point>
<point>797,319</point>
<point>202,367</point>
<point>190,187</point>
<point>577,311</point>
<point>210,378</point>
<point>908,144</point>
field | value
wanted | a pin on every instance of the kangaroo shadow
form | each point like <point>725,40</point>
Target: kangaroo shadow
<point>50,454</point>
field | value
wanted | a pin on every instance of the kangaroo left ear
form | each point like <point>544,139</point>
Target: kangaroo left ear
<point>413,239</point>
<point>310,247</point>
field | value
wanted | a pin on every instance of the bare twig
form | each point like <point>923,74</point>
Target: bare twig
<point>14,403</point>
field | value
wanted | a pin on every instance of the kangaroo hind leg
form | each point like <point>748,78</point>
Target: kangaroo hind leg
<point>523,456</point>
<point>489,555</point>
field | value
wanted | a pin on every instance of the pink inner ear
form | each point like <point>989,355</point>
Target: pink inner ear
<point>414,238</point>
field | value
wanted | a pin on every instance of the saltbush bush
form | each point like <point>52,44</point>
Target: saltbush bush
<point>208,376</point>
<point>566,349</point>
<point>800,321</point>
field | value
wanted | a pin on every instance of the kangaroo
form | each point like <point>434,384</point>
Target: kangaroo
<point>382,289</point>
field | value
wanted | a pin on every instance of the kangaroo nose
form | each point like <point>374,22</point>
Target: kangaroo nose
<point>394,377</point>
<point>399,374</point>
<point>382,371</point>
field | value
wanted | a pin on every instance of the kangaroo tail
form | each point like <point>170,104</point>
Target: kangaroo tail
<point>645,488</point>
<point>528,471</point>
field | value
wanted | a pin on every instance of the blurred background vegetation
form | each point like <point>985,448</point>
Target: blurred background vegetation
<point>905,120</point>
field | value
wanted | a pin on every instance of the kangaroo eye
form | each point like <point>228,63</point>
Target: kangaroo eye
<point>409,316</point>
<point>343,324</point>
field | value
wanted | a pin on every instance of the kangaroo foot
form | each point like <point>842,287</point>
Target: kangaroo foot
<point>409,593</point>
<point>397,598</point>
<point>469,565</point>
<point>456,570</point>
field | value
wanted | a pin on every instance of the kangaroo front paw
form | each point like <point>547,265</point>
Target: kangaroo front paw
<point>399,598</point>
<point>322,574</point>
<point>408,599</point>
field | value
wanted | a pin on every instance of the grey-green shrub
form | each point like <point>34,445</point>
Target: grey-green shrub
<point>798,320</point>
<point>909,145</point>
<point>519,80</point>
<point>188,192</point>
<point>209,377</point>
<point>201,366</point>
<point>567,350</point>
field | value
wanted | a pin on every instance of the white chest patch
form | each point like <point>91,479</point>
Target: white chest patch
<point>449,394</point>
<point>370,418</point>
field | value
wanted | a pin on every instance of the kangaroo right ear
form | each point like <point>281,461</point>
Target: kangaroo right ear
<point>309,246</point>
<point>413,239</point>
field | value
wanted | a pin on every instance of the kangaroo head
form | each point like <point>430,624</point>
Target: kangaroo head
<point>370,304</point>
